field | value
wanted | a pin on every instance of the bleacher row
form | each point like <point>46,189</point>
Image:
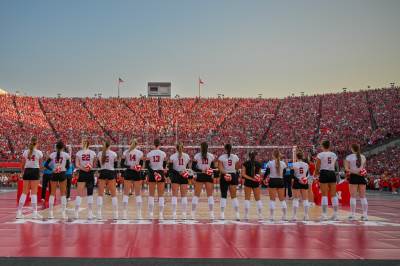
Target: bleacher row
<point>366,117</point>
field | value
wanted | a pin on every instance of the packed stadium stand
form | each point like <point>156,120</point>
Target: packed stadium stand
<point>367,117</point>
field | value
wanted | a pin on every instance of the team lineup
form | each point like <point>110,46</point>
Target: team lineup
<point>156,167</point>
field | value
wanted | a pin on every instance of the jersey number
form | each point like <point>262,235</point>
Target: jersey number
<point>180,161</point>
<point>204,161</point>
<point>85,157</point>
<point>329,160</point>
<point>301,171</point>
<point>156,159</point>
<point>229,162</point>
<point>32,158</point>
<point>132,157</point>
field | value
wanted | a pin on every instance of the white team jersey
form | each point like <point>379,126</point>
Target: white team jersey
<point>272,169</point>
<point>179,164</point>
<point>111,156</point>
<point>62,160</point>
<point>33,161</point>
<point>229,163</point>
<point>328,160</point>
<point>352,159</point>
<point>204,163</point>
<point>85,157</point>
<point>300,169</point>
<point>156,158</point>
<point>133,157</point>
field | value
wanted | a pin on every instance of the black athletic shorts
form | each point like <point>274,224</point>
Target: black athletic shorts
<point>58,177</point>
<point>326,176</point>
<point>298,185</point>
<point>85,176</point>
<point>251,183</point>
<point>202,177</point>
<point>233,182</point>
<point>151,176</point>
<point>176,178</point>
<point>106,174</point>
<point>31,174</point>
<point>357,180</point>
<point>276,183</point>
<point>132,175</point>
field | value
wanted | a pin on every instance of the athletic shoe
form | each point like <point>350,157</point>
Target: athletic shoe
<point>151,215</point>
<point>90,215</point>
<point>306,218</point>
<point>36,215</point>
<point>193,214</point>
<point>260,217</point>
<point>115,215</point>
<point>364,218</point>
<point>324,217</point>
<point>20,215</point>
<point>99,216</point>
<point>76,215</point>
<point>237,216</point>
<point>351,218</point>
<point>51,215</point>
<point>64,215</point>
<point>160,216</point>
<point>184,215</point>
<point>174,216</point>
<point>334,217</point>
<point>125,215</point>
<point>212,216</point>
<point>222,216</point>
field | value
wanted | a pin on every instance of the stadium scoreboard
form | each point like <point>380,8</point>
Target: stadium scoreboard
<point>159,89</point>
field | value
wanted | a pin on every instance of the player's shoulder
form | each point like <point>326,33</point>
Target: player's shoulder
<point>173,156</point>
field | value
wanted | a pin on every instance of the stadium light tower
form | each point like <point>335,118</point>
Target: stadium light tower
<point>260,95</point>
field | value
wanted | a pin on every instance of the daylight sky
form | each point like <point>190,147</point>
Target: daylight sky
<point>239,48</point>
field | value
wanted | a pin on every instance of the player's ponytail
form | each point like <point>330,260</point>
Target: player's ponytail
<point>106,145</point>
<point>228,149</point>
<point>277,156</point>
<point>59,147</point>
<point>204,150</point>
<point>32,146</point>
<point>133,144</point>
<point>356,150</point>
<point>252,156</point>
<point>179,148</point>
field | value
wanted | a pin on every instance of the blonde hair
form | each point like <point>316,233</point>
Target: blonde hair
<point>133,144</point>
<point>277,156</point>
<point>106,145</point>
<point>179,148</point>
<point>32,146</point>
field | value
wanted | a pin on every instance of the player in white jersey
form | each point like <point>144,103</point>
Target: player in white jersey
<point>325,171</point>
<point>60,160</point>
<point>108,162</point>
<point>300,186</point>
<point>132,160</point>
<point>274,173</point>
<point>156,163</point>
<point>85,160</point>
<point>203,165</point>
<point>178,165</point>
<point>31,161</point>
<point>228,165</point>
<point>355,166</point>
<point>251,172</point>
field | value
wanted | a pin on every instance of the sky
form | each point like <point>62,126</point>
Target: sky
<point>239,48</point>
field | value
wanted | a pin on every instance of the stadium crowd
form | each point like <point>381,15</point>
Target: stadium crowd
<point>365,117</point>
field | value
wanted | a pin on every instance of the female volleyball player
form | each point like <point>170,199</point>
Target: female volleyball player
<point>156,164</point>
<point>251,172</point>
<point>132,160</point>
<point>85,160</point>
<point>108,162</point>
<point>228,165</point>
<point>300,186</point>
<point>61,161</point>
<point>203,165</point>
<point>325,170</point>
<point>355,165</point>
<point>31,160</point>
<point>276,185</point>
<point>178,165</point>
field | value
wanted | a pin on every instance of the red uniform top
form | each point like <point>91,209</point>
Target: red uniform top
<point>311,168</point>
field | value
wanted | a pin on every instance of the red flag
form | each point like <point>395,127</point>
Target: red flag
<point>201,81</point>
<point>120,80</point>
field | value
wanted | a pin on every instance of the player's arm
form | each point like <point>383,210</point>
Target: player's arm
<point>317,167</point>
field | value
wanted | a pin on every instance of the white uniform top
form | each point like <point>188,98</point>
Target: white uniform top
<point>156,158</point>
<point>204,164</point>
<point>33,161</point>
<point>62,160</point>
<point>85,157</point>
<point>179,164</point>
<point>352,159</point>
<point>229,163</point>
<point>133,157</point>
<point>300,169</point>
<point>273,173</point>
<point>328,160</point>
<point>110,159</point>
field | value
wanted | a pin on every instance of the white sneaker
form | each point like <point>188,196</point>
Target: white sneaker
<point>174,216</point>
<point>364,218</point>
<point>184,215</point>
<point>20,215</point>
<point>151,215</point>
<point>351,217</point>
<point>36,215</point>
<point>160,216</point>
<point>212,217</point>
<point>334,217</point>
<point>51,215</point>
<point>260,216</point>
<point>99,215</point>
<point>115,215</point>
<point>294,219</point>
<point>324,217</point>
<point>64,215</point>
<point>76,214</point>
<point>193,214</point>
<point>222,216</point>
<point>91,215</point>
<point>237,216</point>
<point>139,216</point>
<point>306,218</point>
<point>246,217</point>
<point>124,215</point>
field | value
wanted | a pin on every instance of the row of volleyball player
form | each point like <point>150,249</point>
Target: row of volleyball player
<point>179,167</point>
